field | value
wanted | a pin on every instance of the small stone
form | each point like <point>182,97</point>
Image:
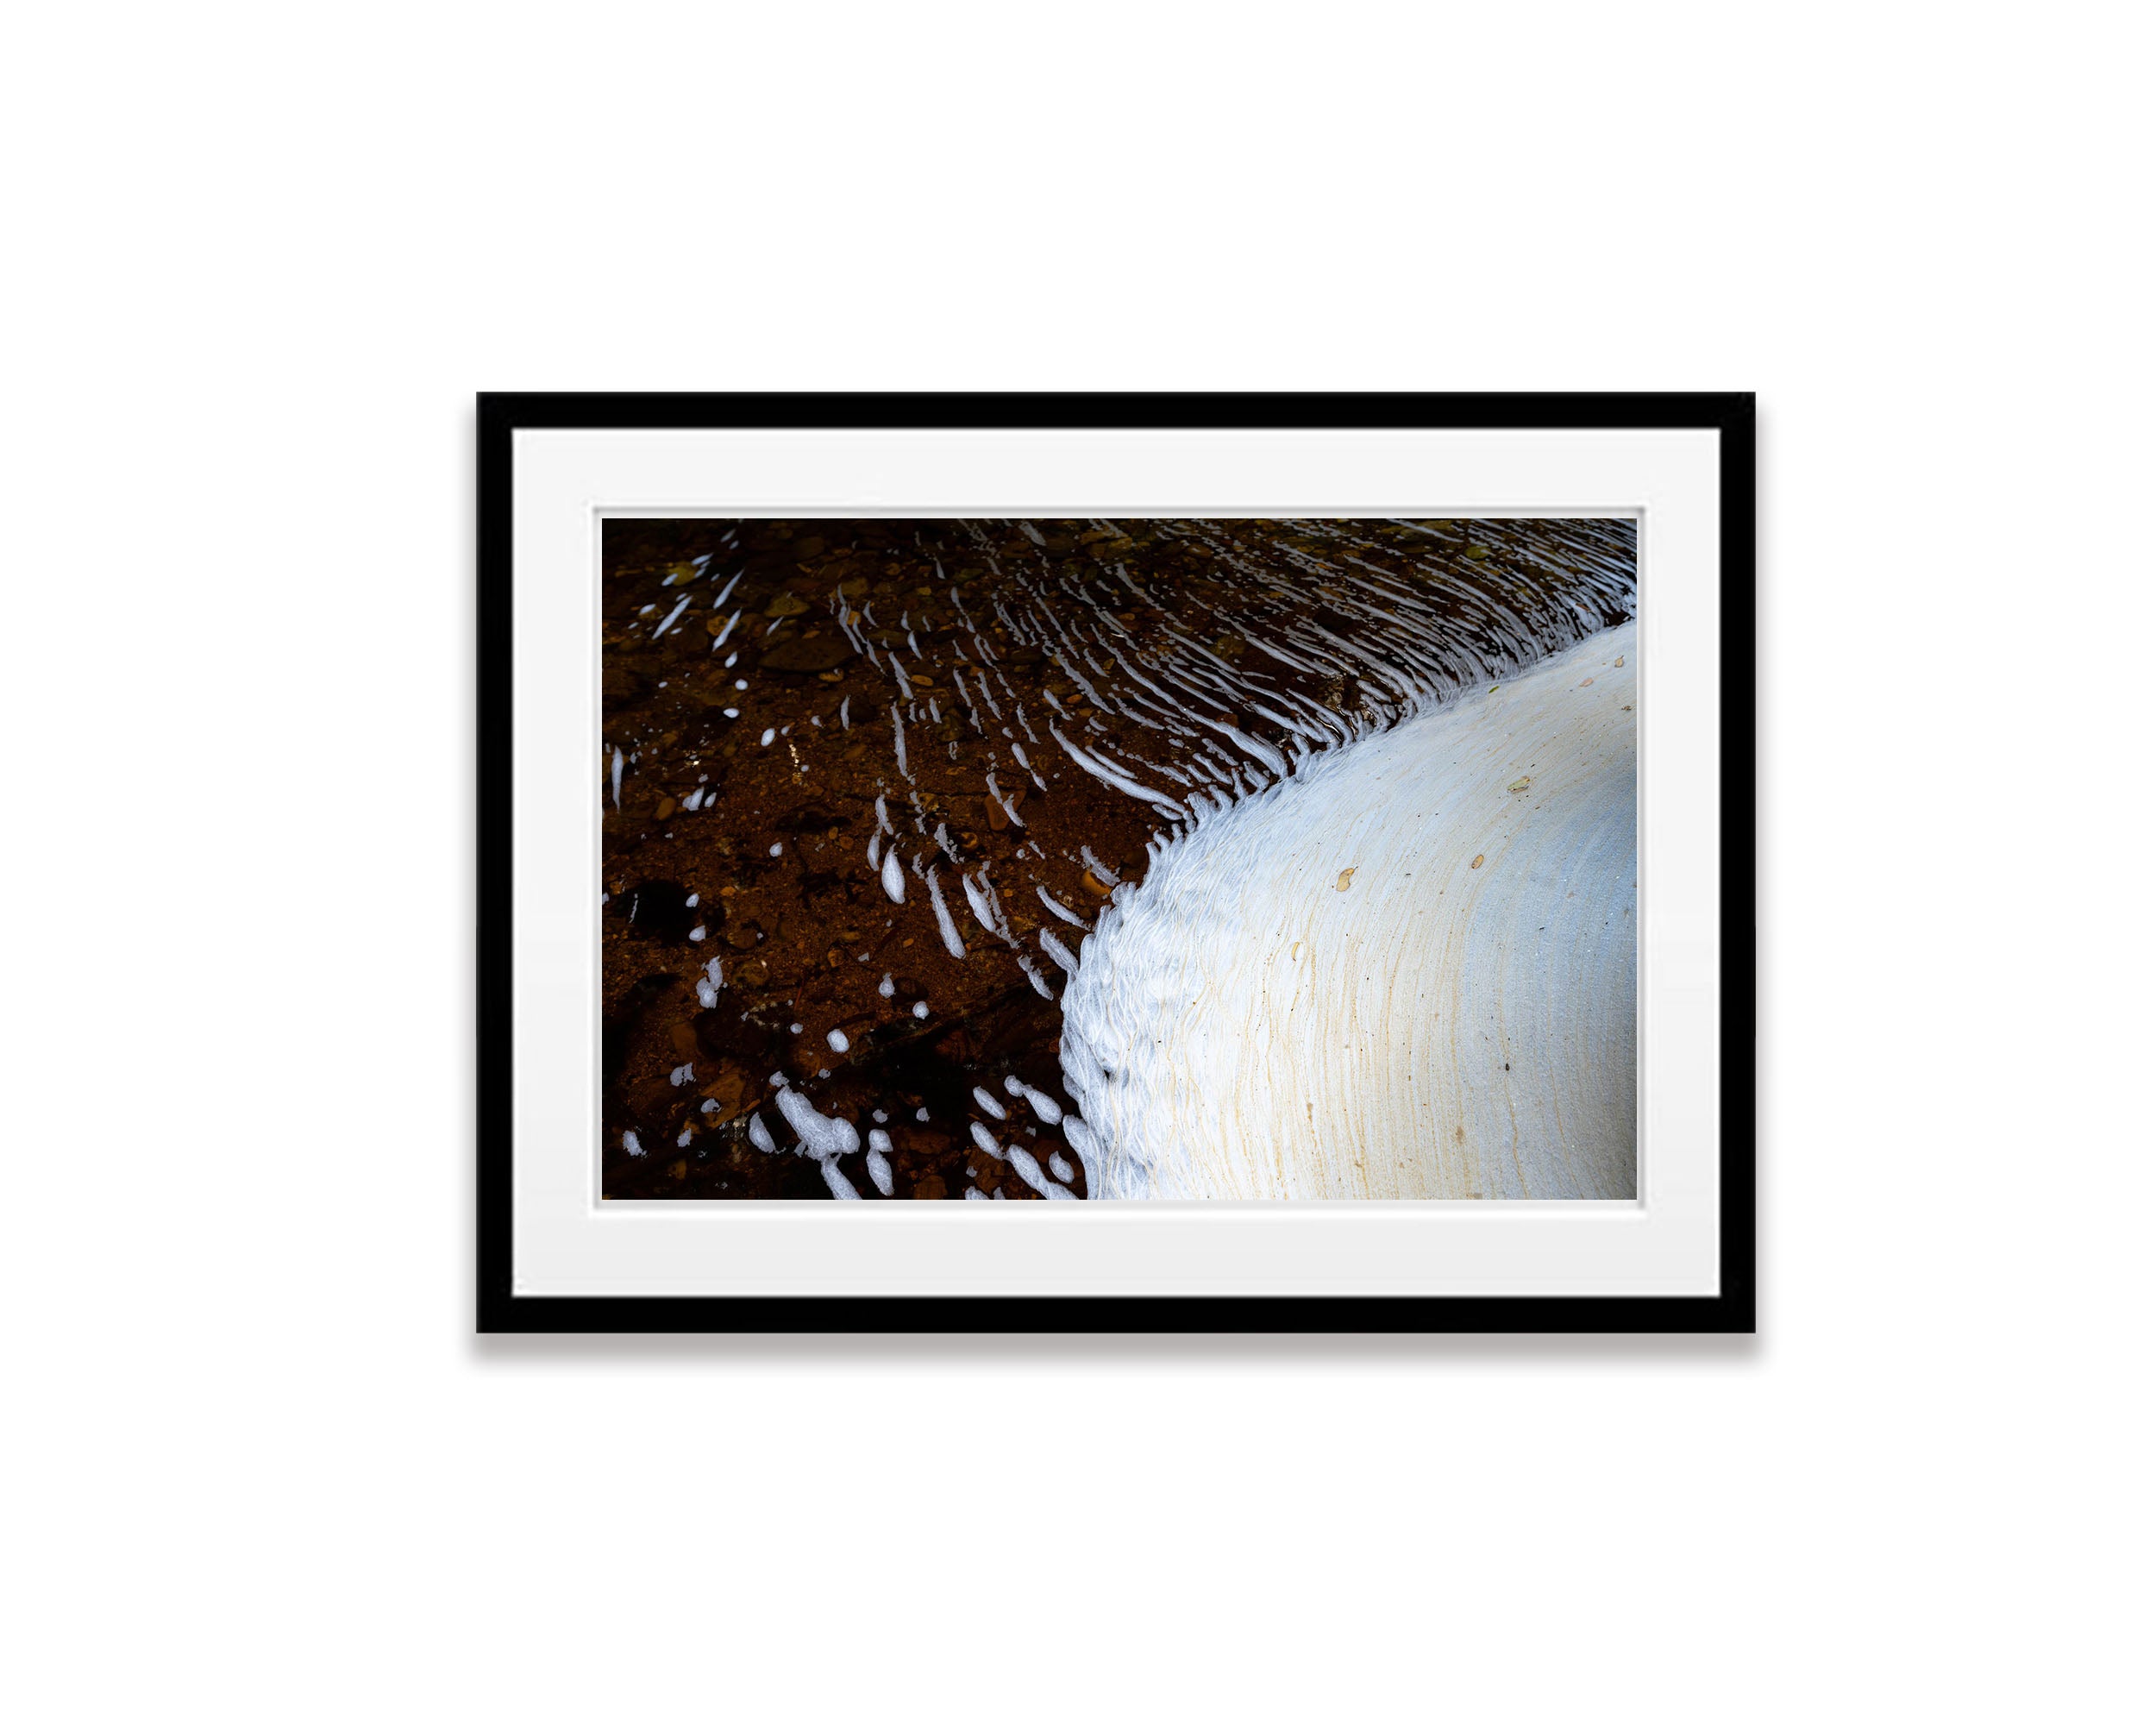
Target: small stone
<point>729,1091</point>
<point>786,604</point>
<point>1477,862</point>
<point>1341,885</point>
<point>665,808</point>
<point>1099,888</point>
<point>1518,784</point>
<point>810,652</point>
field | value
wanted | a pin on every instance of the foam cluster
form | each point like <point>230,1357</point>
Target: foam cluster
<point>1407,971</point>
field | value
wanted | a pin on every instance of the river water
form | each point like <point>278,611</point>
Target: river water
<point>869,787</point>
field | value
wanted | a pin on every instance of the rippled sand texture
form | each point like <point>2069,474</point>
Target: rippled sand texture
<point>916,831</point>
<point>1406,972</point>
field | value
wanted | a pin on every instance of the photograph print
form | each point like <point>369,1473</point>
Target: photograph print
<point>1121,859</point>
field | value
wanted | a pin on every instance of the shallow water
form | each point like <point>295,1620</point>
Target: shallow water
<point>1015,712</point>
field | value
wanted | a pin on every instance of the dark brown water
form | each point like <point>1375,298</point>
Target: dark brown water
<point>1060,690</point>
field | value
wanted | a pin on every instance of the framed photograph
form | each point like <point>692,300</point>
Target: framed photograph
<point>1115,863</point>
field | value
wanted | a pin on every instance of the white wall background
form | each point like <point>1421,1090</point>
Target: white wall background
<point>259,259</point>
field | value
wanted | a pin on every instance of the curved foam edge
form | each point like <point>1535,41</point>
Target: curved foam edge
<point>1253,1021</point>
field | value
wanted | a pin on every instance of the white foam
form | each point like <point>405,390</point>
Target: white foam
<point>1388,976</point>
<point>1068,916</point>
<point>1029,1170</point>
<point>1046,1106</point>
<point>1111,776</point>
<point>979,901</point>
<point>894,877</point>
<point>840,1185</point>
<point>989,1103</point>
<point>821,1135</point>
<point>944,926</point>
<point>838,1040</point>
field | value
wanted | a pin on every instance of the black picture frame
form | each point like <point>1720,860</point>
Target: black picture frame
<point>1732,1309</point>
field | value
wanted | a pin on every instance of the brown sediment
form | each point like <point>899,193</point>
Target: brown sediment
<point>804,937</point>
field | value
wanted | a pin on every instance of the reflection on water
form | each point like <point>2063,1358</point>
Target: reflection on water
<point>868,783</point>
